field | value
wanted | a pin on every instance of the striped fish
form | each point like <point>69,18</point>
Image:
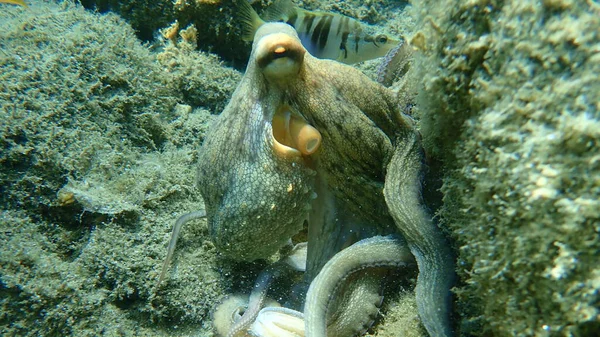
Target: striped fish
<point>324,35</point>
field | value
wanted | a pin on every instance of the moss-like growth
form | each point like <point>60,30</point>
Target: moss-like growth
<point>510,105</point>
<point>145,16</point>
<point>203,81</point>
<point>217,23</point>
<point>97,157</point>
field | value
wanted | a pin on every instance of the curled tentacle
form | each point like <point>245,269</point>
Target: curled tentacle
<point>174,236</point>
<point>261,286</point>
<point>395,64</point>
<point>378,251</point>
<point>278,322</point>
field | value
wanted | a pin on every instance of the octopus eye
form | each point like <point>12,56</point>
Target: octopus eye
<point>281,51</point>
<point>381,39</point>
<point>279,55</point>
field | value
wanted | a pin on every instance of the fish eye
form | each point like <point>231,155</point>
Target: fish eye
<point>381,38</point>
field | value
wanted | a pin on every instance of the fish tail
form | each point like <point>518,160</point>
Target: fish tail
<point>249,19</point>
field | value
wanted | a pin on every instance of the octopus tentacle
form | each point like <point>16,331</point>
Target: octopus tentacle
<point>395,64</point>
<point>174,236</point>
<point>377,251</point>
<point>261,286</point>
<point>356,304</point>
<point>426,242</point>
<point>231,309</point>
<point>257,299</point>
<point>278,322</point>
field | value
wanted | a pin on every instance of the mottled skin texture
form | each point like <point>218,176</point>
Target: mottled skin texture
<point>366,176</point>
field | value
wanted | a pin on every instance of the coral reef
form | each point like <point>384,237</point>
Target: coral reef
<point>510,107</point>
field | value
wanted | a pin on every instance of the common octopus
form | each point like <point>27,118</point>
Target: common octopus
<point>305,140</point>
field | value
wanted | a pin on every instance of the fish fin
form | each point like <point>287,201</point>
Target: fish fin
<point>15,2</point>
<point>249,19</point>
<point>281,10</point>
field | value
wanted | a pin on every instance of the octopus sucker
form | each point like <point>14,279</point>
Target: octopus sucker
<point>278,322</point>
<point>376,251</point>
<point>258,296</point>
<point>231,310</point>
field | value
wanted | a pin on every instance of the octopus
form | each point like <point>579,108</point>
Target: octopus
<point>315,145</point>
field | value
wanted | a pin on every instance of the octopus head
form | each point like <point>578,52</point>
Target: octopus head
<point>278,51</point>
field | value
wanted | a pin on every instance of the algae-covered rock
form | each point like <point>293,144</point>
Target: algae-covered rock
<point>97,157</point>
<point>145,16</point>
<point>510,105</point>
<point>218,24</point>
<point>203,81</point>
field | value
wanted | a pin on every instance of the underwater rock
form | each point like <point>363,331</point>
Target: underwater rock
<point>510,106</point>
<point>145,16</point>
